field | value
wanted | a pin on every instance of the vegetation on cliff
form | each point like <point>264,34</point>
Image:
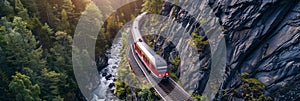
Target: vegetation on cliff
<point>250,89</point>
<point>198,41</point>
<point>128,86</point>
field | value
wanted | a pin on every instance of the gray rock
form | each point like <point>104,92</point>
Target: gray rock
<point>262,39</point>
<point>102,62</point>
<point>262,42</point>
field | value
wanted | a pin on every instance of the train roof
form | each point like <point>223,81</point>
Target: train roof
<point>157,60</point>
<point>137,37</point>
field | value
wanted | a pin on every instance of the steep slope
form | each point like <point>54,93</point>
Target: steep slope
<point>262,40</point>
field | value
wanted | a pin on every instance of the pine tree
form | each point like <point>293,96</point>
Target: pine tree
<point>86,33</point>
<point>23,89</point>
<point>5,8</point>
<point>4,89</point>
<point>88,26</point>
<point>31,7</point>
<point>59,56</point>
<point>20,47</point>
<point>52,84</point>
<point>20,10</point>
<point>64,23</point>
<point>60,10</point>
<point>42,32</point>
<point>59,59</point>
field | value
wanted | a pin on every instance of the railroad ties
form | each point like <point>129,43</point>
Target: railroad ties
<point>168,89</point>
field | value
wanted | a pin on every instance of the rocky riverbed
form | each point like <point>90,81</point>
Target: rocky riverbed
<point>107,75</point>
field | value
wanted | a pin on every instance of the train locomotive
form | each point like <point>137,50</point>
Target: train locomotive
<point>154,63</point>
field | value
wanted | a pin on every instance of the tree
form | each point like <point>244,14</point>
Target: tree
<point>5,8</point>
<point>59,56</point>
<point>20,10</point>
<point>31,7</point>
<point>89,25</point>
<point>45,12</point>
<point>61,10</point>
<point>199,41</point>
<point>43,33</point>
<point>4,81</point>
<point>52,84</point>
<point>20,48</point>
<point>23,89</point>
<point>64,23</point>
<point>59,59</point>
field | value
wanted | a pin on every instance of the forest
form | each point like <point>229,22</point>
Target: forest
<point>36,46</point>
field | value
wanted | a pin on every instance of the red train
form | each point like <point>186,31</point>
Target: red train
<point>154,63</point>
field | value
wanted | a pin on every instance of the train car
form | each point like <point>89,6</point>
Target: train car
<point>137,37</point>
<point>154,63</point>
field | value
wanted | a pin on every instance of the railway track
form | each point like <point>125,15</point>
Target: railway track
<point>168,89</point>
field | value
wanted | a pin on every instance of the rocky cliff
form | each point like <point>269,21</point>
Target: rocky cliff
<point>262,39</point>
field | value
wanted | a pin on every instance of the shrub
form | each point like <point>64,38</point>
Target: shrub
<point>175,62</point>
<point>252,89</point>
<point>199,41</point>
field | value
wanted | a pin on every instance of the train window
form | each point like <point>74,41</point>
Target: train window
<point>162,70</point>
<point>153,67</point>
<point>144,57</point>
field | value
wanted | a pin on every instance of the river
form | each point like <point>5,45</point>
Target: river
<point>107,75</point>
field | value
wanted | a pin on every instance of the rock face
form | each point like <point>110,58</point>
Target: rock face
<point>262,39</point>
<point>174,39</point>
<point>101,62</point>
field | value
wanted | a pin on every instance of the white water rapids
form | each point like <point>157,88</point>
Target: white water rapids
<point>107,75</point>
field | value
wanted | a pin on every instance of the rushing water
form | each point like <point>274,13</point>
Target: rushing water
<point>107,75</point>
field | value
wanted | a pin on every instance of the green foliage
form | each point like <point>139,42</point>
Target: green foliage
<point>21,48</point>
<point>21,11</point>
<point>127,78</point>
<point>52,83</point>
<point>5,8</point>
<point>152,6</point>
<point>174,76</point>
<point>60,54</point>
<point>199,41</point>
<point>4,81</point>
<point>23,89</point>
<point>35,40</point>
<point>144,92</point>
<point>122,89</point>
<point>43,32</point>
<point>26,43</point>
<point>252,89</point>
<point>175,62</point>
<point>198,97</point>
<point>90,23</point>
<point>64,23</point>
